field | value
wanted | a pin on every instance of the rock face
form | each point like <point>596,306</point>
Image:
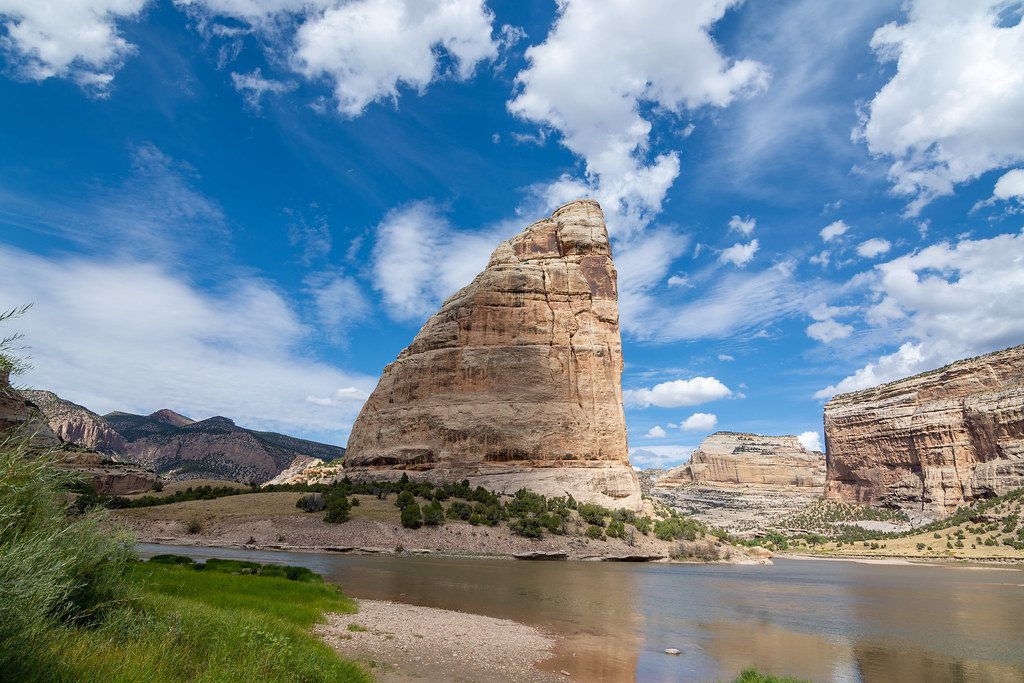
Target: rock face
<point>735,458</point>
<point>19,415</point>
<point>76,424</point>
<point>216,448</point>
<point>743,482</point>
<point>516,381</point>
<point>930,443</point>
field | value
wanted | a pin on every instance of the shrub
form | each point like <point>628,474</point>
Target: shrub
<point>338,509</point>
<point>412,517</point>
<point>642,524</point>
<point>314,502</point>
<point>158,486</point>
<point>433,514</point>
<point>678,528</point>
<point>459,510</point>
<point>405,498</point>
<point>193,526</point>
<point>593,514</point>
<point>616,529</point>
<point>595,532</point>
<point>530,527</point>
<point>475,519</point>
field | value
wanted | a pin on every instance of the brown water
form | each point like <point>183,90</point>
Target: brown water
<point>824,621</point>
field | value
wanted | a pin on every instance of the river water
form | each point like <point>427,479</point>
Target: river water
<point>819,620</point>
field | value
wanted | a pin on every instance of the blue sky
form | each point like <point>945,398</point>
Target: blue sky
<point>249,207</point>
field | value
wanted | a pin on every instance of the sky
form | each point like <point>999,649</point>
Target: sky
<point>249,207</point>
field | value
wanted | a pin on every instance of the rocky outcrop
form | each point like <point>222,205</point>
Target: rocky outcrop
<point>108,478</point>
<point>20,416</point>
<point>736,458</point>
<point>744,482</point>
<point>931,443</point>
<point>76,424</point>
<point>515,382</point>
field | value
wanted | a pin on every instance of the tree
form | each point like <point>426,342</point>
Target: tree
<point>412,517</point>
<point>433,514</point>
<point>338,509</point>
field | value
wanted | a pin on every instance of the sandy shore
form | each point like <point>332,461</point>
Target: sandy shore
<point>401,642</point>
<point>972,563</point>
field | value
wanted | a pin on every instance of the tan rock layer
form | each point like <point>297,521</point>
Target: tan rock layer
<point>737,458</point>
<point>930,443</point>
<point>518,373</point>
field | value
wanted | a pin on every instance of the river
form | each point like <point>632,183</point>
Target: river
<point>819,620</point>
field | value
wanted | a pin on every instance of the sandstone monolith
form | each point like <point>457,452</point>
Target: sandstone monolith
<point>516,381</point>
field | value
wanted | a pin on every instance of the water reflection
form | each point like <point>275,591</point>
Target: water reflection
<point>822,621</point>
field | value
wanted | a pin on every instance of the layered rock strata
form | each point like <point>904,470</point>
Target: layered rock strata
<point>737,458</point>
<point>77,424</point>
<point>21,417</point>
<point>931,443</point>
<point>744,482</point>
<point>516,381</point>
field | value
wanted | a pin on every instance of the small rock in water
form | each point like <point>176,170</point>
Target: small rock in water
<point>671,651</point>
<point>564,672</point>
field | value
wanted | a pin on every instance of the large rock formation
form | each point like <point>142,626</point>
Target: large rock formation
<point>77,424</point>
<point>744,482</point>
<point>516,380</point>
<point>736,458</point>
<point>930,443</point>
<point>20,416</point>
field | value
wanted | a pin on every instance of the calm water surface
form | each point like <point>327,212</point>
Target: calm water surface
<point>824,621</point>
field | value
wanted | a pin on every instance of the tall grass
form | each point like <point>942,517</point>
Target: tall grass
<point>55,569</point>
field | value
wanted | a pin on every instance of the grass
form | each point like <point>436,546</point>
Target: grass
<point>207,626</point>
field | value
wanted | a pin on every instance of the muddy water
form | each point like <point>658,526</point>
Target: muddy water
<point>838,621</point>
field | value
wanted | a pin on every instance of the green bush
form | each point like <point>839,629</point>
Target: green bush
<point>405,498</point>
<point>459,510</point>
<point>595,532</point>
<point>314,502</point>
<point>530,527</point>
<point>678,528</point>
<point>412,516</point>
<point>593,514</point>
<point>338,508</point>
<point>616,529</point>
<point>433,514</point>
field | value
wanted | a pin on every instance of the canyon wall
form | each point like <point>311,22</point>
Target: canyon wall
<point>516,381</point>
<point>737,458</point>
<point>930,443</point>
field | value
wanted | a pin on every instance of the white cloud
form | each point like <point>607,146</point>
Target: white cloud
<point>642,262</point>
<point>943,303</point>
<point>700,422</point>
<point>824,311</point>
<point>735,302</point>
<point>810,440</point>
<point>346,396</point>
<point>598,68</point>
<point>1010,185</point>
<point>833,230</point>
<point>827,331</point>
<point>339,302</point>
<point>744,226</point>
<point>873,247</point>
<point>253,86</point>
<point>419,259</point>
<point>725,358</point>
<point>655,432</point>
<point>678,281</point>
<point>822,258</point>
<point>739,254</point>
<point>76,39</point>
<point>952,111</point>
<point>661,456</point>
<point>677,393</point>
<point>370,47</point>
<point>144,338</point>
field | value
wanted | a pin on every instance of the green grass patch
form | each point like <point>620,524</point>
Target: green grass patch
<point>755,676</point>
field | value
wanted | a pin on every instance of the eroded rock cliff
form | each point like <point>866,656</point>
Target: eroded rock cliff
<point>516,380</point>
<point>737,458</point>
<point>77,424</point>
<point>20,416</point>
<point>931,443</point>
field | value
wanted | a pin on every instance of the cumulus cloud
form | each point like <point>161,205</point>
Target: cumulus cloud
<point>1010,185</point>
<point>873,247</point>
<point>829,331</point>
<point>677,393</point>
<point>79,39</point>
<point>744,226</point>
<point>700,422</point>
<point>952,111</point>
<point>370,47</point>
<point>419,259</point>
<point>339,302</point>
<point>945,302</point>
<point>810,440</point>
<point>145,338</point>
<point>655,432</point>
<point>739,254</point>
<point>725,358</point>
<point>600,67</point>
<point>834,230</point>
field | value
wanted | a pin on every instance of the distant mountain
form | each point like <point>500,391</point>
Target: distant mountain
<point>178,447</point>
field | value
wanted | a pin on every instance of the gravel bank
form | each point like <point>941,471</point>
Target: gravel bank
<point>405,642</point>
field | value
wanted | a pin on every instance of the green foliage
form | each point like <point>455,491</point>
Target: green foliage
<point>643,524</point>
<point>338,507</point>
<point>433,514</point>
<point>404,499</point>
<point>460,510</point>
<point>313,502</point>
<point>616,529</point>
<point>595,532</point>
<point>755,676</point>
<point>593,514</point>
<point>678,528</point>
<point>11,361</point>
<point>530,527</point>
<point>412,516</point>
